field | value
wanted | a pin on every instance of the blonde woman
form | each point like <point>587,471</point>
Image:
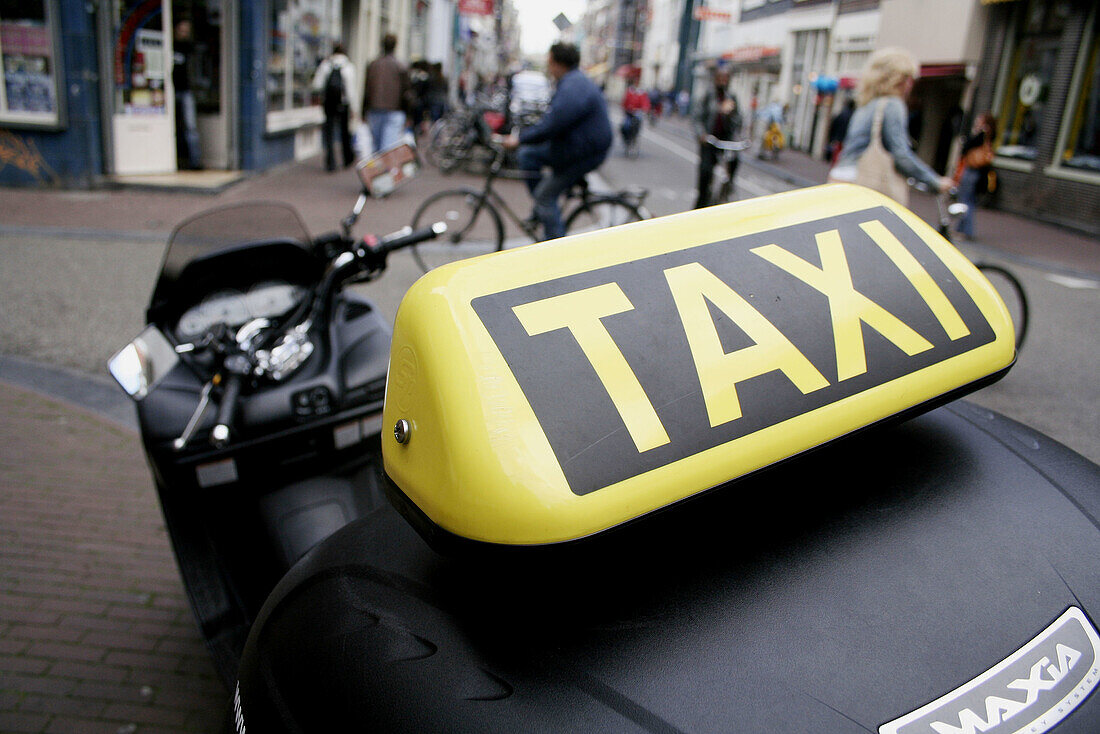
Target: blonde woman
<point>883,88</point>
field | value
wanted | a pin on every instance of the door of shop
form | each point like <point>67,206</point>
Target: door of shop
<point>140,111</point>
<point>204,63</point>
<point>171,75</point>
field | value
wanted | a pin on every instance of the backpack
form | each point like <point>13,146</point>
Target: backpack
<point>335,95</point>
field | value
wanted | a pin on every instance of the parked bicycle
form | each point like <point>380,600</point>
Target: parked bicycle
<point>475,225</point>
<point>456,137</point>
<point>1011,290</point>
<point>722,181</point>
<point>462,139</point>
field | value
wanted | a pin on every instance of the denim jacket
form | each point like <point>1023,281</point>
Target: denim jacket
<point>895,138</point>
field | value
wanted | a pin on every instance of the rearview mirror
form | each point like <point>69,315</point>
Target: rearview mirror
<point>142,363</point>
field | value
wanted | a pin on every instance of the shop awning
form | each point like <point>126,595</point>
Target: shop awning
<point>942,70</point>
<point>751,54</point>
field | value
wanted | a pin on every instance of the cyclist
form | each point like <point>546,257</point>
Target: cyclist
<point>718,115</point>
<point>573,137</point>
<point>635,104</point>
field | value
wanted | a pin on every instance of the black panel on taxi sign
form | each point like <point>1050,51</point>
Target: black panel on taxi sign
<point>586,430</point>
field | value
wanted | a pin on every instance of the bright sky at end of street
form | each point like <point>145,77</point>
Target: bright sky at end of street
<point>536,22</point>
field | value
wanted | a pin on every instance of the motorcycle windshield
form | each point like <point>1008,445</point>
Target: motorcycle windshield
<point>232,228</point>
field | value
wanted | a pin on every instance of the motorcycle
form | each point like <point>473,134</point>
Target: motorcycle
<point>259,383</point>
<point>706,472</point>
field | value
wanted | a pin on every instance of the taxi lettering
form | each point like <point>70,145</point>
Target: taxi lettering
<point>693,287</point>
<point>634,366</point>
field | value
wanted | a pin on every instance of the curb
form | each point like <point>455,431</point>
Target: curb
<point>93,394</point>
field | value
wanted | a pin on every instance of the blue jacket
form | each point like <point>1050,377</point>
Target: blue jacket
<point>576,124</point>
<point>895,138</point>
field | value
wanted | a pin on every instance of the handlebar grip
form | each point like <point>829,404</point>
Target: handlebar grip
<point>405,239</point>
<point>219,436</point>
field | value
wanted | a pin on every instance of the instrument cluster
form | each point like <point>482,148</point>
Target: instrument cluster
<point>233,308</point>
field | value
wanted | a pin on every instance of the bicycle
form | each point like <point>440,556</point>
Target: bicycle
<point>722,183</point>
<point>463,139</point>
<point>1007,285</point>
<point>456,136</point>
<point>475,225</point>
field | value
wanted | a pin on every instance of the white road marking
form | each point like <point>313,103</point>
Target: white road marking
<point>1071,282</point>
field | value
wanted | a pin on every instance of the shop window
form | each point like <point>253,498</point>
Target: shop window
<point>302,34</point>
<point>1026,86</point>
<point>140,64</point>
<point>1082,149</point>
<point>31,63</point>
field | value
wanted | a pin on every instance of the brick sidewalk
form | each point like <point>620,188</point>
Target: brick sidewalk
<point>95,631</point>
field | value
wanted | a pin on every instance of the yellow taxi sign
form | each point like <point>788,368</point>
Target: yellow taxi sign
<point>555,391</point>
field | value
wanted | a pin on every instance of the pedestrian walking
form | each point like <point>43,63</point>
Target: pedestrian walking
<point>385,96</point>
<point>838,128</point>
<point>437,91</point>
<point>417,108</point>
<point>718,114</point>
<point>977,163</point>
<point>573,137</point>
<point>334,80</point>
<point>877,152</point>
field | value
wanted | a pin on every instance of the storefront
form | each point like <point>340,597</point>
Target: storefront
<point>122,90</point>
<point>1040,78</point>
<point>754,76</point>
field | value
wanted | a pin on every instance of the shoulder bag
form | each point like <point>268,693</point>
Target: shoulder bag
<point>875,168</point>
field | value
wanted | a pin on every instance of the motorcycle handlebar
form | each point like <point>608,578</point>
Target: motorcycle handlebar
<point>405,238</point>
<point>231,393</point>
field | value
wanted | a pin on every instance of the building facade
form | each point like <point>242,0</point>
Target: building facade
<point>1040,76</point>
<point>89,94</point>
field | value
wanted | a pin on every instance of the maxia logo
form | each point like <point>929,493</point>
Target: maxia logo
<point>999,709</point>
<point>1031,691</point>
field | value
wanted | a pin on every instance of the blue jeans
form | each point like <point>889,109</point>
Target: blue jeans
<point>968,194</point>
<point>387,127</point>
<point>187,131</point>
<point>548,189</point>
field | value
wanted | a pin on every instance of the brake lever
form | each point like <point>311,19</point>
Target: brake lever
<point>200,410</point>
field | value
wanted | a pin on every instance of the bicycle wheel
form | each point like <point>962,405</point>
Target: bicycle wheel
<point>444,148</point>
<point>473,228</point>
<point>601,213</point>
<point>1012,293</point>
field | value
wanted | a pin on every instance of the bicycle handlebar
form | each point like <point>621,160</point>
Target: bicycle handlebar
<point>728,144</point>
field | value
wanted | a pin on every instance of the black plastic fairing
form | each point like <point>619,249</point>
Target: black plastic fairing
<point>832,594</point>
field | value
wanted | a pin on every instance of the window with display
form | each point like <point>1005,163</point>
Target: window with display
<point>1026,85</point>
<point>302,34</point>
<point>30,63</point>
<point>1082,147</point>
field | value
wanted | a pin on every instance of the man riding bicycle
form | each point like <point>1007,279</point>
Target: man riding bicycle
<point>573,137</point>
<point>719,115</point>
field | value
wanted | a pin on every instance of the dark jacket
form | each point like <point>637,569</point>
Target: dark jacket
<point>576,123</point>
<point>709,121</point>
